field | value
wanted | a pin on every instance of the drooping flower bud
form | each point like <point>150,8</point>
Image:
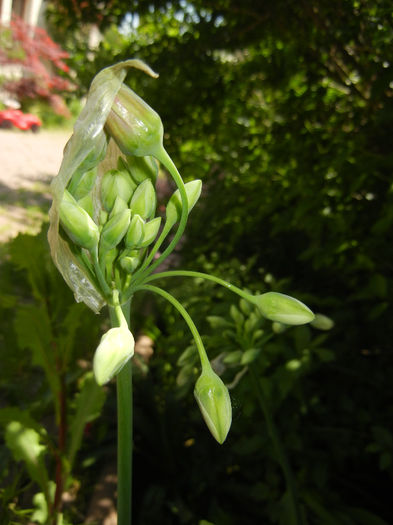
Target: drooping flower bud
<point>214,402</point>
<point>282,308</point>
<point>115,349</point>
<point>174,206</point>
<point>144,200</point>
<point>135,127</point>
<point>77,223</point>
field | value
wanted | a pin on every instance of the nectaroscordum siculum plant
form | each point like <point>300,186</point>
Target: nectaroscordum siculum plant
<point>105,239</point>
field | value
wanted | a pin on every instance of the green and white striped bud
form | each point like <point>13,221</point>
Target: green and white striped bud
<point>134,126</point>
<point>115,229</point>
<point>86,203</point>
<point>135,232</point>
<point>84,185</point>
<point>142,168</point>
<point>144,200</point>
<point>116,184</point>
<point>150,232</point>
<point>174,206</point>
<point>130,264</point>
<point>214,402</point>
<point>282,308</point>
<point>115,349</point>
<point>119,206</point>
<point>77,223</point>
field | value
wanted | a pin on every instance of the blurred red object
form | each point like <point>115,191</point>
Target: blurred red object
<point>15,117</point>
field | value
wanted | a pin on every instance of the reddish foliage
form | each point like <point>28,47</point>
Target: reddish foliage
<point>39,57</point>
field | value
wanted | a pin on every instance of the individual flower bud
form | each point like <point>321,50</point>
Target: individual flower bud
<point>116,183</point>
<point>135,127</point>
<point>142,168</point>
<point>150,232</point>
<point>135,232</point>
<point>115,229</point>
<point>77,223</point>
<point>85,184</point>
<point>115,349</point>
<point>282,308</point>
<point>322,322</point>
<point>214,402</point>
<point>86,203</point>
<point>119,206</point>
<point>144,200</point>
<point>103,217</point>
<point>174,206</point>
<point>129,264</point>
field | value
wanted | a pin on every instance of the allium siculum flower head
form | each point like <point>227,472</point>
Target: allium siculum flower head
<point>134,126</point>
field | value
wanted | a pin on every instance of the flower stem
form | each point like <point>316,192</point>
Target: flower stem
<point>207,276</point>
<point>198,341</point>
<point>165,159</point>
<point>124,429</point>
<point>295,517</point>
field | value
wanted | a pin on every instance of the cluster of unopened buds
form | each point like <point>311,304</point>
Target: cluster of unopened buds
<point>105,236</point>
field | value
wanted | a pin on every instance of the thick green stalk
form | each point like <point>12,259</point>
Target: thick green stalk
<point>296,515</point>
<point>198,341</point>
<point>124,430</point>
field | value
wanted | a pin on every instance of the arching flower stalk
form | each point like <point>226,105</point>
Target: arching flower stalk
<point>105,239</point>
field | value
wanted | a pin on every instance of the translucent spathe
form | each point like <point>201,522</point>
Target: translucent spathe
<point>85,149</point>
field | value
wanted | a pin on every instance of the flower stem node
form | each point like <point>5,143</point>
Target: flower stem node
<point>214,402</point>
<point>283,308</point>
<point>77,223</point>
<point>115,349</point>
<point>135,127</point>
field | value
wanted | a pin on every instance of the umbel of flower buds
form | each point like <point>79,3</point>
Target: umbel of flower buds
<point>111,108</point>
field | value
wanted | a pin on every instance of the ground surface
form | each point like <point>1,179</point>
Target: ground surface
<point>28,162</point>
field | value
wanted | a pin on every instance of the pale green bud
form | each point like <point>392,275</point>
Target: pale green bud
<point>144,200</point>
<point>142,168</point>
<point>77,223</point>
<point>85,184</point>
<point>119,206</point>
<point>116,183</point>
<point>214,402</point>
<point>322,322</point>
<point>283,308</point>
<point>129,264</point>
<point>86,203</point>
<point>174,206</point>
<point>135,127</point>
<point>135,232</point>
<point>150,232</point>
<point>115,229</point>
<point>115,349</point>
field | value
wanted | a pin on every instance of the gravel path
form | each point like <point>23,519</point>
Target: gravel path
<point>28,162</point>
